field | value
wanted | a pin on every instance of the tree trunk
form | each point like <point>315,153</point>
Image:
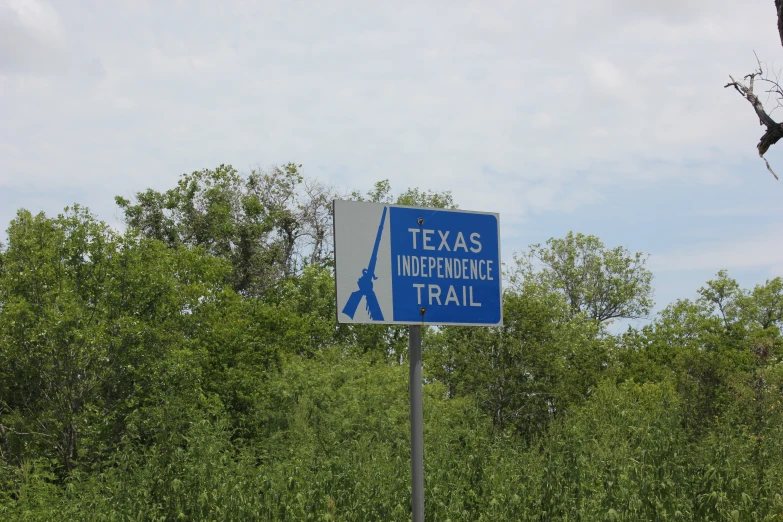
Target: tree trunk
<point>770,137</point>
<point>6,447</point>
<point>779,10</point>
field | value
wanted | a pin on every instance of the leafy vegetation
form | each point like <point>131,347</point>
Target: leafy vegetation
<point>190,368</point>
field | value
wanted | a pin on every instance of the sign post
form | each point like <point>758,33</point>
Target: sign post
<point>416,266</point>
<point>417,423</point>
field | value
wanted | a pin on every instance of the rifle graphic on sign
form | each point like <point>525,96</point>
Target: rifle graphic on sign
<point>365,283</point>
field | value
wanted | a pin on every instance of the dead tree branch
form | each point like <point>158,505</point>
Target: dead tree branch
<point>774,130</point>
<point>779,10</point>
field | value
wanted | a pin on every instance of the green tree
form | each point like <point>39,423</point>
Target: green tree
<point>92,328</point>
<point>764,305</point>
<point>537,366</point>
<point>413,197</point>
<point>713,348</point>
<point>602,283</point>
<point>722,295</point>
<point>268,224</point>
<point>52,346</point>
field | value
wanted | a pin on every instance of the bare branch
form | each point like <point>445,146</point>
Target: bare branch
<point>770,168</point>
<point>779,9</point>
<point>774,130</point>
<point>747,93</point>
<point>761,69</point>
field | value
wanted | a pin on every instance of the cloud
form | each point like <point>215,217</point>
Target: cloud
<point>571,104</point>
<point>761,250</point>
<point>751,210</point>
<point>31,36</point>
<point>607,77</point>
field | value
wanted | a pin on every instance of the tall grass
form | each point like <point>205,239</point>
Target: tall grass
<point>332,444</point>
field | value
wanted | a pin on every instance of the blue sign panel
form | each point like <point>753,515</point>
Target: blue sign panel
<point>449,265</point>
<point>398,264</point>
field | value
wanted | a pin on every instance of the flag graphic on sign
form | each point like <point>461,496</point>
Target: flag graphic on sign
<point>365,283</point>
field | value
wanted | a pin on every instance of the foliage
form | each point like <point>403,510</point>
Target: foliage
<point>268,225</point>
<point>602,283</point>
<point>192,368</point>
<point>91,325</point>
<point>526,373</point>
<point>413,197</point>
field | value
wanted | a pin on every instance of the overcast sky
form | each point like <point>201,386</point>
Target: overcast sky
<point>607,117</point>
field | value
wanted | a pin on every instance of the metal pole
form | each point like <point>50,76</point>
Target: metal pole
<point>417,430</point>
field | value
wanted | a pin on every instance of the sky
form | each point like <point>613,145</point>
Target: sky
<point>606,117</point>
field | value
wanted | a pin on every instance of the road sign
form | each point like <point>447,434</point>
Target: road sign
<point>408,265</point>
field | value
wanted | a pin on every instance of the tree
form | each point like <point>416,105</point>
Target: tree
<point>723,295</point>
<point>52,348</point>
<point>765,304</point>
<point>536,366</point>
<point>774,129</point>
<point>93,327</point>
<point>712,347</point>
<point>413,197</point>
<point>602,283</point>
<point>268,224</point>
<point>299,211</point>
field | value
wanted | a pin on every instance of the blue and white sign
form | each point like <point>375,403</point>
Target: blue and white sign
<point>394,262</point>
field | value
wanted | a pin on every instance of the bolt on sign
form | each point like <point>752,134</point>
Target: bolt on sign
<point>408,265</point>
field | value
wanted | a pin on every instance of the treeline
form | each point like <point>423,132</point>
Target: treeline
<point>190,368</point>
